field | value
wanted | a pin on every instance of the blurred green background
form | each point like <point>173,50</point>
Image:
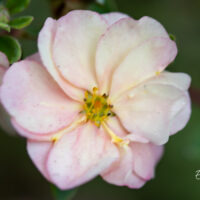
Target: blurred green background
<point>175,174</point>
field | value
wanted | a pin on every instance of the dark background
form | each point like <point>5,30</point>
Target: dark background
<point>175,174</point>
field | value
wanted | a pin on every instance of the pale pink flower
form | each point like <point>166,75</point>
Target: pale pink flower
<point>96,99</point>
<point>4,117</point>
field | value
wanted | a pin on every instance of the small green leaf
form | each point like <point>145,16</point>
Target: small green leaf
<point>63,195</point>
<point>11,47</point>
<point>4,14</point>
<point>172,37</point>
<point>21,22</point>
<point>16,6</point>
<point>4,26</point>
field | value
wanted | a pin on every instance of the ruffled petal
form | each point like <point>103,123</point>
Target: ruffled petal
<point>34,100</point>
<point>119,39</point>
<point>113,46</point>
<point>45,45</point>
<point>80,156</point>
<point>122,172</point>
<point>113,17</point>
<point>135,166</point>
<point>31,135</point>
<point>143,62</point>
<point>35,57</point>
<point>180,116</point>
<point>75,45</point>
<point>38,152</point>
<point>179,80</point>
<point>156,108</point>
<point>145,157</point>
<point>4,117</point>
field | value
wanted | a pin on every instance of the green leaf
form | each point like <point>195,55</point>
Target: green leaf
<point>11,47</point>
<point>16,6</point>
<point>4,26</point>
<point>4,14</point>
<point>63,195</point>
<point>21,22</point>
<point>172,37</point>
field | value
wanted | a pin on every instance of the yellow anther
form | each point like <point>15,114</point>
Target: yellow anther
<point>115,139</point>
<point>96,107</point>
<point>86,94</point>
<point>95,89</point>
<point>157,73</point>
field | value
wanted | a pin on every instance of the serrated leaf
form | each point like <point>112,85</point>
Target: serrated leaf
<point>4,26</point>
<point>16,6</point>
<point>21,22</point>
<point>11,47</point>
<point>63,194</point>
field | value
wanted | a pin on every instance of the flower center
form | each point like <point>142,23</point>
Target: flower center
<point>96,107</point>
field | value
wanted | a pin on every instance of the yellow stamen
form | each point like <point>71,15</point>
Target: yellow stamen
<point>96,107</point>
<point>95,89</point>
<point>115,139</point>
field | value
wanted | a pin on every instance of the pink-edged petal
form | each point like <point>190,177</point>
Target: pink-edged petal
<point>31,135</point>
<point>75,45</point>
<point>4,117</point>
<point>148,27</point>
<point>34,100</point>
<point>145,157</point>
<point>180,116</point>
<point>45,45</point>
<point>38,152</point>
<point>122,173</point>
<point>154,110</point>
<point>4,60</point>
<point>113,46</point>
<point>113,17</point>
<point>119,39</point>
<point>80,156</point>
<point>143,62</point>
<point>35,57</point>
<point>179,80</point>
<point>135,166</point>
